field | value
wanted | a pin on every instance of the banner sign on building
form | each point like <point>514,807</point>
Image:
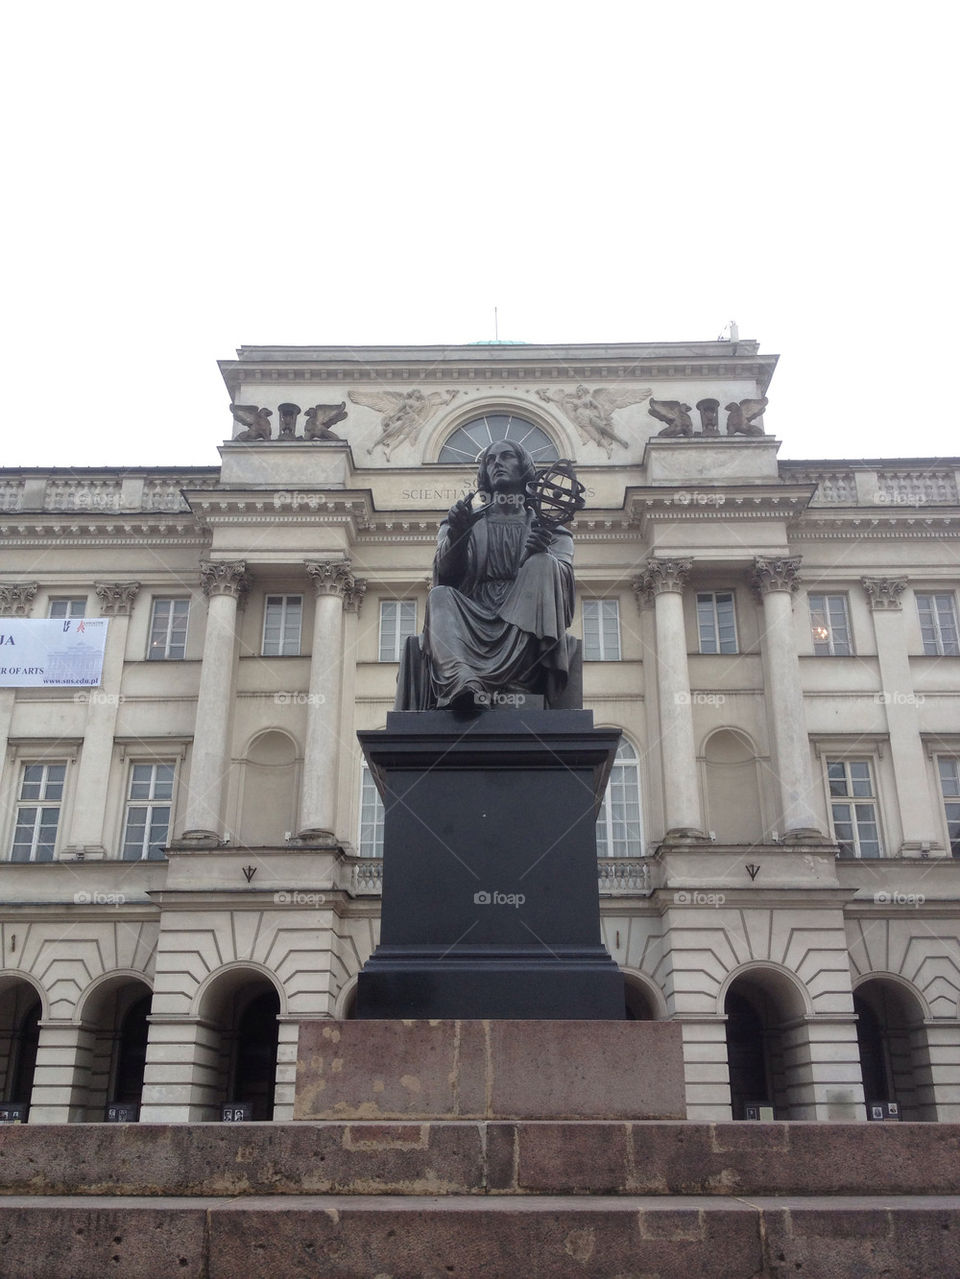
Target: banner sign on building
<point>51,652</point>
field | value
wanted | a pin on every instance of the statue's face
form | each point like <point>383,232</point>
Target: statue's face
<point>503,467</point>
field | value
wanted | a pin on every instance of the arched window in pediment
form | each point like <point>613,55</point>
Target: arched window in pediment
<point>463,444</point>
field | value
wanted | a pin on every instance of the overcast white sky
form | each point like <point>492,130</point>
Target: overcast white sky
<point>187,178</point>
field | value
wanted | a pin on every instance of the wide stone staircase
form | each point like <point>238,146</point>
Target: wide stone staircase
<point>518,1199</point>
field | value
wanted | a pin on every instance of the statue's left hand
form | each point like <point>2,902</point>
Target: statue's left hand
<point>538,539</point>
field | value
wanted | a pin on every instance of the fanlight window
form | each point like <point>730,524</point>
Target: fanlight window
<point>466,441</point>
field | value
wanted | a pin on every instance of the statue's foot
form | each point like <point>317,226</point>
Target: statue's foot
<point>470,700</point>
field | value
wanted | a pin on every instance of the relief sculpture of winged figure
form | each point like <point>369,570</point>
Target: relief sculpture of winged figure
<point>591,411</point>
<point>404,413</point>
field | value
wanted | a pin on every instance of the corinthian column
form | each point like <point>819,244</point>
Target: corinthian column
<point>335,587</point>
<point>775,580</point>
<point>663,579</point>
<point>224,584</point>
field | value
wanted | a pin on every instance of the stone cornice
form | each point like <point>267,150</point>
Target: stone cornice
<point>281,506</point>
<point>698,501</point>
<point>857,526</point>
<point>487,361</point>
<point>70,530</point>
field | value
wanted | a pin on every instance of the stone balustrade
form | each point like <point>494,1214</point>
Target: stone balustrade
<point>867,484</point>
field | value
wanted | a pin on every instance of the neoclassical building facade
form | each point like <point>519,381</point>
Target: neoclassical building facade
<point>189,852</point>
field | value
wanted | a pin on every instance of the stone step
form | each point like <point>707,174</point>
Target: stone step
<point>498,1237</point>
<point>480,1158</point>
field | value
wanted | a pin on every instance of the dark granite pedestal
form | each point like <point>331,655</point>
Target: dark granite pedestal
<point>490,903</point>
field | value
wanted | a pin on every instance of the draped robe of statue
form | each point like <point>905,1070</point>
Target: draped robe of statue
<point>495,622</point>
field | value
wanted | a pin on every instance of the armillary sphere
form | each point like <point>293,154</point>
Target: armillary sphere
<point>556,494</point>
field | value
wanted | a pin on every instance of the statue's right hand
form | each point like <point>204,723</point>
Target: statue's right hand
<point>460,515</point>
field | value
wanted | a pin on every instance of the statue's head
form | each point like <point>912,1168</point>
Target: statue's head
<point>505,464</point>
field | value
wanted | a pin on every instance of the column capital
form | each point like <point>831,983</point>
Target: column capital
<point>224,577</point>
<point>883,593</point>
<point>353,595</point>
<point>662,576</point>
<point>16,598</point>
<point>116,598</point>
<point>775,573</point>
<point>642,593</point>
<point>332,577</point>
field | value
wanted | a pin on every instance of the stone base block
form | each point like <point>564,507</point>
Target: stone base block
<point>497,1237</point>
<point>470,1157</point>
<point>489,1070</point>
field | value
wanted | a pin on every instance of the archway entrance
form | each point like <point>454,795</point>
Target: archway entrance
<point>894,1053</point>
<point>255,1055</point>
<point>241,1009</point>
<point>20,1012</point>
<point>108,1079</point>
<point>766,1044</point>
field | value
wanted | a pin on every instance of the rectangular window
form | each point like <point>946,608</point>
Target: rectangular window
<point>949,768</point>
<point>282,617</point>
<point>601,630</point>
<point>938,624</point>
<point>398,621</point>
<point>74,606</point>
<point>371,816</point>
<point>168,630</point>
<point>853,805</point>
<point>38,812</point>
<point>147,820</point>
<point>716,623</point>
<point>830,625</point>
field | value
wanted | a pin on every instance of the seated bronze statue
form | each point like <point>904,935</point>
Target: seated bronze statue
<point>497,616</point>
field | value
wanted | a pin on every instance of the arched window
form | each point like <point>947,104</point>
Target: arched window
<point>467,440</point>
<point>619,828</point>
<point>370,841</point>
